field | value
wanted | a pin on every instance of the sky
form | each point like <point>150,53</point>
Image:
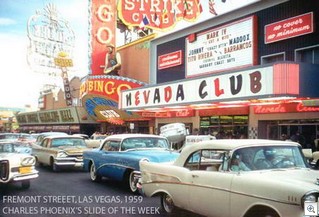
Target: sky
<point>20,85</point>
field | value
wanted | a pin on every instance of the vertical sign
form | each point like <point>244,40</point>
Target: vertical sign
<point>103,28</point>
<point>63,63</point>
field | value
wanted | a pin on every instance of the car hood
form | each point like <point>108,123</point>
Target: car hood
<point>153,155</point>
<point>4,156</point>
<point>15,159</point>
<point>283,184</point>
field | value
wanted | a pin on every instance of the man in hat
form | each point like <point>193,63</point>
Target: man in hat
<point>112,61</point>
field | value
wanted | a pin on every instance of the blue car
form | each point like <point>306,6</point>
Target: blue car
<point>119,155</point>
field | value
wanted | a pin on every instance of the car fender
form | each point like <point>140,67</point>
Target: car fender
<point>252,209</point>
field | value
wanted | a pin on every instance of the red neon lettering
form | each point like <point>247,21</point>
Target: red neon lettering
<point>137,98</point>
<point>167,94</point>
<point>270,109</point>
<point>301,108</point>
<point>182,113</point>
<point>218,91</point>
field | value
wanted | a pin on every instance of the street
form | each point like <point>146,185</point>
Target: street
<point>72,193</point>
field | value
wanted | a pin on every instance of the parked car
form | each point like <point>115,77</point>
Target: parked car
<point>234,178</point>
<point>14,166</point>
<point>60,151</point>
<point>119,155</point>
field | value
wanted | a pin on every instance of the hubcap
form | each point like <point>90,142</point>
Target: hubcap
<point>93,175</point>
<point>132,182</point>
<point>168,203</point>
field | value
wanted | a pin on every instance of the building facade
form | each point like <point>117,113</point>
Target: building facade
<point>251,73</point>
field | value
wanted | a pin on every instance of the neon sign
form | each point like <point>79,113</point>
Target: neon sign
<point>284,108</point>
<point>103,29</point>
<point>49,34</point>
<point>159,15</point>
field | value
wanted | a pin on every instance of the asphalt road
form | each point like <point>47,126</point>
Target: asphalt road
<point>72,193</point>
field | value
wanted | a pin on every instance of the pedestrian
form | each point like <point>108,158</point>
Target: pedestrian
<point>284,137</point>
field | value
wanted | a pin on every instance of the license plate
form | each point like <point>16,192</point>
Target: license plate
<point>24,170</point>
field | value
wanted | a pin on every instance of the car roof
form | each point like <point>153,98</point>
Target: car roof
<point>63,136</point>
<point>132,135</point>
<point>230,144</point>
<point>235,143</point>
<point>53,133</point>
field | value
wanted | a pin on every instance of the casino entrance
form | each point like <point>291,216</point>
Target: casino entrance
<point>308,131</point>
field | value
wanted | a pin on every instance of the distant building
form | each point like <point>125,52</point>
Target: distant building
<point>8,121</point>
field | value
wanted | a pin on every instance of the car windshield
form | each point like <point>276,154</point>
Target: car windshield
<point>12,147</point>
<point>268,157</point>
<point>68,142</point>
<point>13,136</point>
<point>134,143</point>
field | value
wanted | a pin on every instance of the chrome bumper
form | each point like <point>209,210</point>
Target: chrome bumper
<point>25,177</point>
<point>69,161</point>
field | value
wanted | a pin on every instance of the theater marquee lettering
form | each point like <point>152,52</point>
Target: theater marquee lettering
<point>223,48</point>
<point>250,83</point>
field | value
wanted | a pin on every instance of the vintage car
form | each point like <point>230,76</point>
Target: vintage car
<point>244,177</point>
<point>42,135</point>
<point>95,140</point>
<point>14,166</point>
<point>60,151</point>
<point>118,157</point>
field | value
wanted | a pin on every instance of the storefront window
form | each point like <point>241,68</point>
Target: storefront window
<point>272,58</point>
<point>226,120</point>
<point>225,126</point>
<point>308,55</point>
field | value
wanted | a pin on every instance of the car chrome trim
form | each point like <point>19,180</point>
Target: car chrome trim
<point>219,189</point>
<point>4,170</point>
<point>116,165</point>
<point>28,161</point>
<point>29,176</point>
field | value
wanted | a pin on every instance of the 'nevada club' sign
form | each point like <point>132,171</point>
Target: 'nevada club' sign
<point>280,79</point>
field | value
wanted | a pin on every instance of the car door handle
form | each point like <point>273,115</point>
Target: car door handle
<point>195,176</point>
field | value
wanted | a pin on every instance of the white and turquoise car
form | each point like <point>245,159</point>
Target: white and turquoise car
<point>119,155</point>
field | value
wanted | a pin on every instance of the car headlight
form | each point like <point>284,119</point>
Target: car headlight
<point>28,161</point>
<point>62,154</point>
<point>310,197</point>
